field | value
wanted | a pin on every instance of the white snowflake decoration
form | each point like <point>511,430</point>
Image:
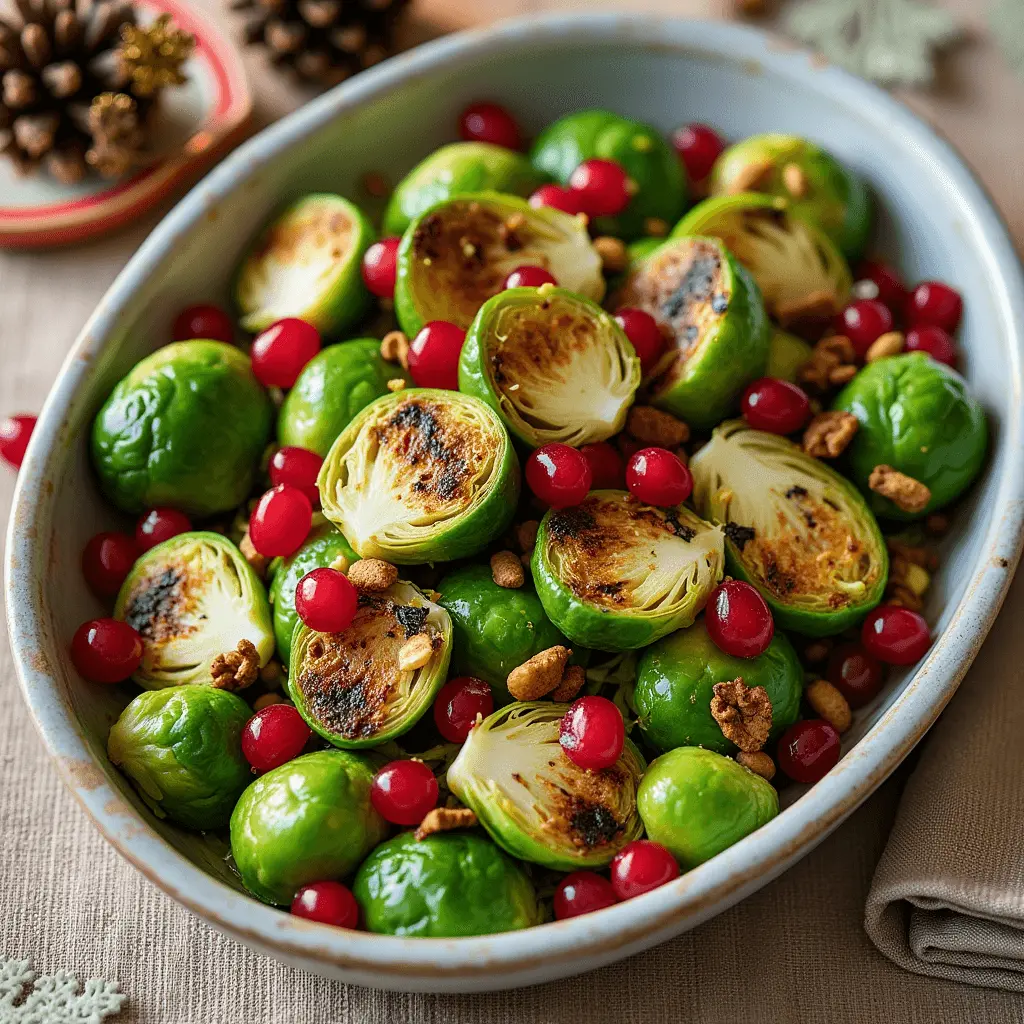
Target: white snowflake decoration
<point>27,997</point>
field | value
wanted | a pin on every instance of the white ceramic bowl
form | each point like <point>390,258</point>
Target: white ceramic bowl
<point>935,219</point>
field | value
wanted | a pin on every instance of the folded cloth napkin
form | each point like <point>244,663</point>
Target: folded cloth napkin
<point>948,894</point>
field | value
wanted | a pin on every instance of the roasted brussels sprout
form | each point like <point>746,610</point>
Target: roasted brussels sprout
<point>307,263</point>
<point>421,476</point>
<point>794,528</point>
<point>697,803</point>
<point>455,256</point>
<point>308,821</point>
<point>815,184</point>
<point>675,680</point>
<point>191,598</point>
<point>615,574</point>
<point>917,416</point>
<point>182,748</point>
<point>185,428</point>
<point>458,169</point>
<point>536,803</point>
<point>787,354</point>
<point>351,687</point>
<point>711,311</point>
<point>554,366</point>
<point>447,885</point>
<point>638,148</point>
<point>334,385</point>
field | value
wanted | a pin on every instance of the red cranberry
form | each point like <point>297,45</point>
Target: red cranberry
<point>380,267</point>
<point>932,304</point>
<point>490,122</point>
<point>876,280</point>
<point>458,704</point>
<point>698,147</point>
<point>209,322</point>
<point>274,736</point>
<point>641,866</point>
<point>738,620</point>
<point>775,405</point>
<point>558,475</point>
<point>602,187</point>
<point>326,600</point>
<point>557,198</point>
<point>106,650</point>
<point>158,525</point>
<point>808,750</point>
<point>15,433</point>
<point>607,470</point>
<point>328,903</point>
<point>657,477</point>
<point>403,792</point>
<point>856,674</point>
<point>644,335</point>
<point>895,635</point>
<point>592,733</point>
<point>582,892</point>
<point>529,277</point>
<point>434,355</point>
<point>864,322</point>
<point>296,466</point>
<point>280,521</point>
<point>107,560</point>
<point>933,340</point>
<point>282,350</point>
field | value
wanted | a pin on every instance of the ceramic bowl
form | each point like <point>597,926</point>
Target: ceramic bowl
<point>936,221</point>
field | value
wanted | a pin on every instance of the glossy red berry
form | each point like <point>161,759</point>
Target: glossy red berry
<point>856,674</point>
<point>434,355</point>
<point>738,620</point>
<point>808,750</point>
<point>282,350</point>
<point>557,198</point>
<point>877,280</point>
<point>559,475</point>
<point>607,468</point>
<point>933,304</point>
<point>107,560</point>
<point>15,434</point>
<point>280,521</point>
<point>657,477</point>
<point>490,122</point>
<point>644,335</point>
<point>933,340</point>
<point>458,705</point>
<point>274,736</point>
<point>210,322</point>
<point>698,147</point>
<point>528,276</point>
<point>403,792</point>
<point>895,635</point>
<point>864,322</point>
<point>158,525</point>
<point>380,267</point>
<point>298,467</point>
<point>641,866</point>
<point>328,903</point>
<point>775,405</point>
<point>106,650</point>
<point>582,892</point>
<point>602,187</point>
<point>326,600</point>
<point>592,733</point>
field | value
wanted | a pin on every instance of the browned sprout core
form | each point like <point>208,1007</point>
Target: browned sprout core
<point>584,809</point>
<point>163,604</point>
<point>290,238</point>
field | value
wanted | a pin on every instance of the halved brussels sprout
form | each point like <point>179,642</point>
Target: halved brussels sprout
<point>553,365</point>
<point>455,256</point>
<point>421,476</point>
<point>307,263</point>
<point>615,574</point>
<point>191,598</point>
<point>712,315</point>
<point>457,169</point>
<point>803,277</point>
<point>787,355</point>
<point>350,687</point>
<point>534,801</point>
<point>794,528</point>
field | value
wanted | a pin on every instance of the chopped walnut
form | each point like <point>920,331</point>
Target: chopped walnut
<point>816,306</point>
<point>526,535</point>
<point>752,176</point>
<point>795,179</point>
<point>237,669</point>
<point>830,704</point>
<point>913,553</point>
<point>842,375</point>
<point>571,684</point>
<point>906,493</point>
<point>828,434</point>
<point>613,253</point>
<point>415,652</point>
<point>372,574</point>
<point>885,345</point>
<point>829,355</point>
<point>817,652</point>
<point>444,819</point>
<point>257,562</point>
<point>540,675</point>
<point>507,570</point>
<point>656,227</point>
<point>271,674</point>
<point>652,426</point>
<point>394,348</point>
<point>758,762</point>
<point>744,713</point>
<point>903,597</point>
<point>397,384</point>
<point>266,700</point>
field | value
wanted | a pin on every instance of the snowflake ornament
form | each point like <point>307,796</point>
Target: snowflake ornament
<point>27,997</point>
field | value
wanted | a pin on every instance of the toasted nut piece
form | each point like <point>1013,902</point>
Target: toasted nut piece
<point>266,700</point>
<point>758,762</point>
<point>937,525</point>
<point>828,434</point>
<point>540,675</point>
<point>571,684</point>
<point>842,375</point>
<point>751,177</point>
<point>903,491</point>
<point>915,554</point>
<point>271,674</point>
<point>656,227</point>
<point>744,713</point>
<point>395,349</point>
<point>652,426</point>
<point>613,253</point>
<point>507,570</point>
<point>828,355</point>
<point>444,819</point>
<point>256,561</point>
<point>817,305</point>
<point>372,574</point>
<point>885,345</point>
<point>830,704</point>
<point>816,652</point>
<point>341,563</point>
<point>415,652</point>
<point>237,669</point>
<point>917,579</point>
<point>793,176</point>
<point>903,597</point>
<point>526,535</point>
<point>396,384</point>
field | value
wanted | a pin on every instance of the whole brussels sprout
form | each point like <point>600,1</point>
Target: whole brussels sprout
<point>191,598</point>
<point>350,686</point>
<point>697,803</point>
<point>615,574</point>
<point>553,365</point>
<point>794,528</point>
<point>675,683</point>
<point>534,801</point>
<point>916,415</point>
<point>333,386</point>
<point>307,821</point>
<point>182,749</point>
<point>711,312</point>
<point>787,355</point>
<point>457,169</point>
<point>444,886</point>
<point>422,475</point>
<point>185,428</point>
<point>307,263</point>
<point>457,254</point>
<point>638,148</point>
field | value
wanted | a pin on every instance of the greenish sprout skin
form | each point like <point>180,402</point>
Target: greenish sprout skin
<point>787,355</point>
